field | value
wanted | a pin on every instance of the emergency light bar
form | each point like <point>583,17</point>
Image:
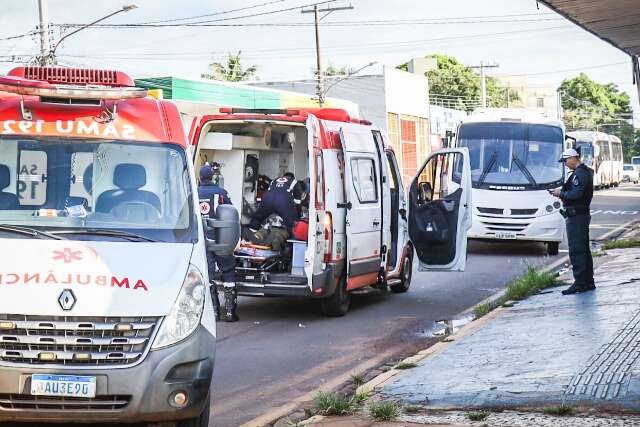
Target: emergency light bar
<point>70,83</point>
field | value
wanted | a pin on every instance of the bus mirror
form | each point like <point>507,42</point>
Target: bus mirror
<point>225,228</point>
<point>570,142</point>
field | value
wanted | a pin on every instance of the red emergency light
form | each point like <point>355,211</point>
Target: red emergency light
<point>70,83</point>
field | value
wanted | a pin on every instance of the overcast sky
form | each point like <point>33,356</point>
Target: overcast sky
<point>521,38</point>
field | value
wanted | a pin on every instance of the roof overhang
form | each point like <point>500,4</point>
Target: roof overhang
<point>614,21</point>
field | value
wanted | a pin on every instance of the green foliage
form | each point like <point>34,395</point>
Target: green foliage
<point>331,403</point>
<point>460,86</point>
<point>333,70</point>
<point>412,409</point>
<point>531,282</point>
<point>621,244</point>
<point>385,410</point>
<point>360,396</point>
<point>483,309</point>
<point>405,365</point>
<point>357,379</point>
<point>231,71</point>
<point>563,410</point>
<point>478,415</point>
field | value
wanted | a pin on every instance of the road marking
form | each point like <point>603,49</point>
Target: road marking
<point>603,212</point>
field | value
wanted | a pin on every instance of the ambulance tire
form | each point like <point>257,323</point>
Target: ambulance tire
<point>407,274</point>
<point>337,305</point>
<point>201,421</point>
<point>553,248</point>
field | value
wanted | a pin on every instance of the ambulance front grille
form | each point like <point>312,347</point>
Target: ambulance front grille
<point>74,341</point>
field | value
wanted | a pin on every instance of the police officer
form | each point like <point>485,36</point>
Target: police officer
<point>211,195</point>
<point>284,197</point>
<point>576,195</point>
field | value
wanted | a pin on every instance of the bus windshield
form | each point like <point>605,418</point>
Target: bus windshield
<point>586,152</point>
<point>635,161</point>
<point>96,189</point>
<point>513,154</point>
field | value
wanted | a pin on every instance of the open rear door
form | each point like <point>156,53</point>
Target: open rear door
<point>440,210</point>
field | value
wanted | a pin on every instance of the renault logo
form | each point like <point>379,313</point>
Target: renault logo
<point>67,300</point>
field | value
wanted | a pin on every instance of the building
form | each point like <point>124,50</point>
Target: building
<point>202,96</point>
<point>444,121</point>
<point>541,99</point>
<point>396,101</point>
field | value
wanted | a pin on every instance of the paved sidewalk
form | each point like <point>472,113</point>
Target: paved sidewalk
<point>583,350</point>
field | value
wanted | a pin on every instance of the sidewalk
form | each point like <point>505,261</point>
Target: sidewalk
<point>580,353</point>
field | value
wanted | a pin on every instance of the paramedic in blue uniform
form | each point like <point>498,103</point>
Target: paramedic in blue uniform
<point>284,197</point>
<point>211,195</point>
<point>576,195</point>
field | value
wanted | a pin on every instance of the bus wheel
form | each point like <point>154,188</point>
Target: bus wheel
<point>553,248</point>
<point>337,305</point>
<point>407,274</point>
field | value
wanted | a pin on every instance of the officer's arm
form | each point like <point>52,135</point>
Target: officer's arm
<point>576,192</point>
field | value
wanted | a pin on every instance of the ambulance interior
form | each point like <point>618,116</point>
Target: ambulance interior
<point>246,157</point>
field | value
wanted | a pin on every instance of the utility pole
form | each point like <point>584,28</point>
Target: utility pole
<point>320,91</point>
<point>483,81</point>
<point>43,12</point>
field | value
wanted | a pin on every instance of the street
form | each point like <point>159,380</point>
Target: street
<point>282,348</point>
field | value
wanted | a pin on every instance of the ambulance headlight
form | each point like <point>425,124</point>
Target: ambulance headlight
<point>186,312</point>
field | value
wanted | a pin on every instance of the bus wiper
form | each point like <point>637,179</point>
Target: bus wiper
<point>109,233</point>
<point>524,170</point>
<point>485,171</point>
<point>33,232</point>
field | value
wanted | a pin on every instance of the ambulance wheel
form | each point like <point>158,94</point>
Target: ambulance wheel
<point>337,305</point>
<point>407,274</point>
<point>553,248</point>
<point>201,421</point>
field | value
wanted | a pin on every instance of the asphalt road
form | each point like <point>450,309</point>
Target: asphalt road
<point>282,349</point>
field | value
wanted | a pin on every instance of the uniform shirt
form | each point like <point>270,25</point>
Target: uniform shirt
<point>577,191</point>
<point>288,186</point>
<point>210,196</point>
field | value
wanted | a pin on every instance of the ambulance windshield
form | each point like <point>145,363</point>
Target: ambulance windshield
<point>79,185</point>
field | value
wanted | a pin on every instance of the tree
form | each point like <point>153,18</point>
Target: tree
<point>232,71</point>
<point>591,105</point>
<point>333,70</point>
<point>455,85</point>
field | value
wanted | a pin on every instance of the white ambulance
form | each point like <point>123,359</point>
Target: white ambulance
<point>362,229</point>
<point>105,314</point>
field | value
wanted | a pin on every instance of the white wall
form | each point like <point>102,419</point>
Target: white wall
<point>406,93</point>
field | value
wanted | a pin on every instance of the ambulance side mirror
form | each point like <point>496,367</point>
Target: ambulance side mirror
<point>225,228</point>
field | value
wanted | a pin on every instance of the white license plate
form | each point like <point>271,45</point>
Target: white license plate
<point>506,236</point>
<point>63,386</point>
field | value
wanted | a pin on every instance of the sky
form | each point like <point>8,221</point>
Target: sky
<point>522,38</point>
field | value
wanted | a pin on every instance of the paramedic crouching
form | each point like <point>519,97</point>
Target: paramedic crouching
<point>576,195</point>
<point>284,197</point>
<point>211,196</point>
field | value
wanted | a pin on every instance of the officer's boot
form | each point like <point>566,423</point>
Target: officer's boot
<point>216,300</point>
<point>573,289</point>
<point>230,302</point>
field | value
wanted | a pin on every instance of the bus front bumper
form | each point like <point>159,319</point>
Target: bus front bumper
<point>547,228</point>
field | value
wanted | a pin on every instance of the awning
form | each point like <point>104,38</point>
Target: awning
<point>614,21</point>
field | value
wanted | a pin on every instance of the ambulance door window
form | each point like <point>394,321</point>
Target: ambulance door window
<point>32,178</point>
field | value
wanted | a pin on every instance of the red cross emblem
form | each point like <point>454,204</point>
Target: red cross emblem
<point>67,255</point>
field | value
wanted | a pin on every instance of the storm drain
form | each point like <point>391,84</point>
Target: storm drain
<point>607,374</point>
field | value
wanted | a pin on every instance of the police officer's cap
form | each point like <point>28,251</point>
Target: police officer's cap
<point>206,172</point>
<point>568,153</point>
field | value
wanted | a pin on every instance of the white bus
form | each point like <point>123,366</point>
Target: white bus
<point>514,160</point>
<point>602,153</point>
<point>635,161</point>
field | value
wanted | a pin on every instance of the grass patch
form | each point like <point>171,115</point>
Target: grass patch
<point>412,409</point>
<point>563,410</point>
<point>385,410</point>
<point>360,396</point>
<point>531,282</point>
<point>483,309</point>
<point>331,403</point>
<point>477,415</point>
<point>357,379</point>
<point>622,244</point>
<point>598,254</point>
<point>405,365</point>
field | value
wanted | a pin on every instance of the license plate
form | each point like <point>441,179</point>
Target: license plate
<point>63,386</point>
<point>506,236</point>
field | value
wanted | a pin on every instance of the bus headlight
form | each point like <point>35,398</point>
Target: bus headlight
<point>557,205</point>
<point>549,208</point>
<point>186,312</point>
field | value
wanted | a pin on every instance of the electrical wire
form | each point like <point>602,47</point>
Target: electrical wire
<point>19,36</point>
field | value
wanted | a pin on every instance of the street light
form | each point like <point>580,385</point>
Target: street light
<point>52,54</point>
<point>348,76</point>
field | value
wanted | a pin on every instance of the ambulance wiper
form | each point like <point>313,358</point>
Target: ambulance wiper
<point>107,232</point>
<point>33,232</point>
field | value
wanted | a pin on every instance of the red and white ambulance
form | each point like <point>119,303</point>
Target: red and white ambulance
<point>362,229</point>
<point>105,313</point>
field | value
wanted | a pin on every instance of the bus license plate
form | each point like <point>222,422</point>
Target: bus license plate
<point>505,236</point>
<point>63,386</point>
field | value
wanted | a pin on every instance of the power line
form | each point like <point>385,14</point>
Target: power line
<point>19,36</point>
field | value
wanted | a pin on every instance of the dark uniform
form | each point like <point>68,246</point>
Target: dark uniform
<point>210,196</point>
<point>576,195</point>
<point>284,197</point>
